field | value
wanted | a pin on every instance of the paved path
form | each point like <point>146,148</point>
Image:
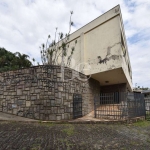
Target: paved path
<point>89,118</point>
<point>9,117</point>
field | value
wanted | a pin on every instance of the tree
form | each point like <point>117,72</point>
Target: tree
<point>141,88</point>
<point>33,60</point>
<point>22,60</point>
<point>13,61</point>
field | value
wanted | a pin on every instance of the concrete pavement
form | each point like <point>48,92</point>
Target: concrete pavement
<point>10,117</point>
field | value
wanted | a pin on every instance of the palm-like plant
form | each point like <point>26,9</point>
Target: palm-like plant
<point>11,61</point>
<point>22,60</point>
<point>57,48</point>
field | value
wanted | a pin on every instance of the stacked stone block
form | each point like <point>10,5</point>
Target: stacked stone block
<point>39,93</point>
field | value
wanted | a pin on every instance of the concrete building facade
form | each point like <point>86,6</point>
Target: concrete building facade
<point>101,51</point>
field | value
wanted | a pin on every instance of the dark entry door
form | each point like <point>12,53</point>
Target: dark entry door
<point>77,106</point>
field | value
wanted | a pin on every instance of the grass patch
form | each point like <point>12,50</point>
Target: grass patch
<point>48,124</point>
<point>67,143</point>
<point>148,140</point>
<point>148,116</point>
<point>36,147</point>
<point>69,130</point>
<point>142,123</point>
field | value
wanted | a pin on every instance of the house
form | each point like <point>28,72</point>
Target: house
<point>146,93</point>
<point>100,64</point>
<point>102,53</point>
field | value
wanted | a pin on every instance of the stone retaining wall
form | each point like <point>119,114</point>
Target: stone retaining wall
<point>39,93</point>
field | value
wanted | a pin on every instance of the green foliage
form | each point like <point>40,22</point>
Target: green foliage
<point>141,88</point>
<point>13,61</point>
<point>47,124</point>
<point>69,130</point>
<point>142,123</point>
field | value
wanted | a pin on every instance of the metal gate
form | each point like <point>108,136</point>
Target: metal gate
<point>136,105</point>
<point>147,108</point>
<point>111,106</point>
<point>119,105</point>
<point>77,106</point>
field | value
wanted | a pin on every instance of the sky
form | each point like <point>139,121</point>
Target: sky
<point>25,25</point>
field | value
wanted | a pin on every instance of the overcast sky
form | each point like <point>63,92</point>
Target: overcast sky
<point>25,24</point>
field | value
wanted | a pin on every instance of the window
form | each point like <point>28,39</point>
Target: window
<point>129,71</point>
<point>129,68</point>
<point>123,45</point>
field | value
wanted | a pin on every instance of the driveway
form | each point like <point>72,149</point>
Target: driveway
<point>51,136</point>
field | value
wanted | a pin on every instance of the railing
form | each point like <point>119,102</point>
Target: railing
<point>119,106</point>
